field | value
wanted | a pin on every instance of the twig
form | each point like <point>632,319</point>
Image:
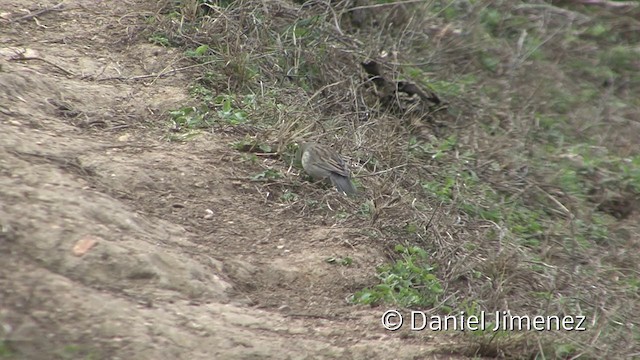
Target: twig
<point>560,11</point>
<point>126,145</point>
<point>39,12</point>
<point>321,90</point>
<point>170,72</point>
<point>556,201</point>
<point>613,4</point>
<point>383,5</point>
<point>383,171</point>
<point>433,215</point>
<point>20,56</point>
<point>118,127</point>
<point>321,316</point>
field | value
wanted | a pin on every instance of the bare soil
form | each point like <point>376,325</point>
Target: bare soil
<point>187,262</point>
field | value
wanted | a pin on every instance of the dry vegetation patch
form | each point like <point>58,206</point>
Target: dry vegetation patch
<point>494,147</point>
<point>517,193</point>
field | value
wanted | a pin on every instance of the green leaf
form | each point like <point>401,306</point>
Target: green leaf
<point>201,50</point>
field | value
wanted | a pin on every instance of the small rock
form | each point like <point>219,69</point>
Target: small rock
<point>83,245</point>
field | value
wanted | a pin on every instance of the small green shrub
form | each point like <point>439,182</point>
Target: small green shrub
<point>408,282</point>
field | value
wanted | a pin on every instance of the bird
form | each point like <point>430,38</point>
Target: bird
<point>323,163</point>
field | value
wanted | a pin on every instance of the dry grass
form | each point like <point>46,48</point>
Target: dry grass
<point>505,189</point>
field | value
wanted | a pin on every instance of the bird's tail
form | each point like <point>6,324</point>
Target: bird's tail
<point>343,184</point>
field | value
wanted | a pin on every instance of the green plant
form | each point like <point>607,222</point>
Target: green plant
<point>489,61</point>
<point>408,282</point>
<point>442,190</point>
<point>453,88</point>
<point>251,145</point>
<point>159,39</point>
<point>435,151</point>
<point>198,117</point>
<point>269,174</point>
<point>5,350</point>
<point>289,196</point>
<point>342,261</point>
<point>201,53</point>
<point>227,112</point>
<point>200,92</point>
<point>366,209</point>
<point>491,18</point>
<point>191,117</point>
<point>630,172</point>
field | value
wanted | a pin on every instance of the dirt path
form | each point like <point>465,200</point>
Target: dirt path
<point>189,262</point>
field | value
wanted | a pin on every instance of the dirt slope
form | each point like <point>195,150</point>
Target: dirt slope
<point>188,261</point>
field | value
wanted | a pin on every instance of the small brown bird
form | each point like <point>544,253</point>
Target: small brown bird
<point>323,163</point>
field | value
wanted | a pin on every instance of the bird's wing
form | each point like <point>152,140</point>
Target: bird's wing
<point>336,165</point>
